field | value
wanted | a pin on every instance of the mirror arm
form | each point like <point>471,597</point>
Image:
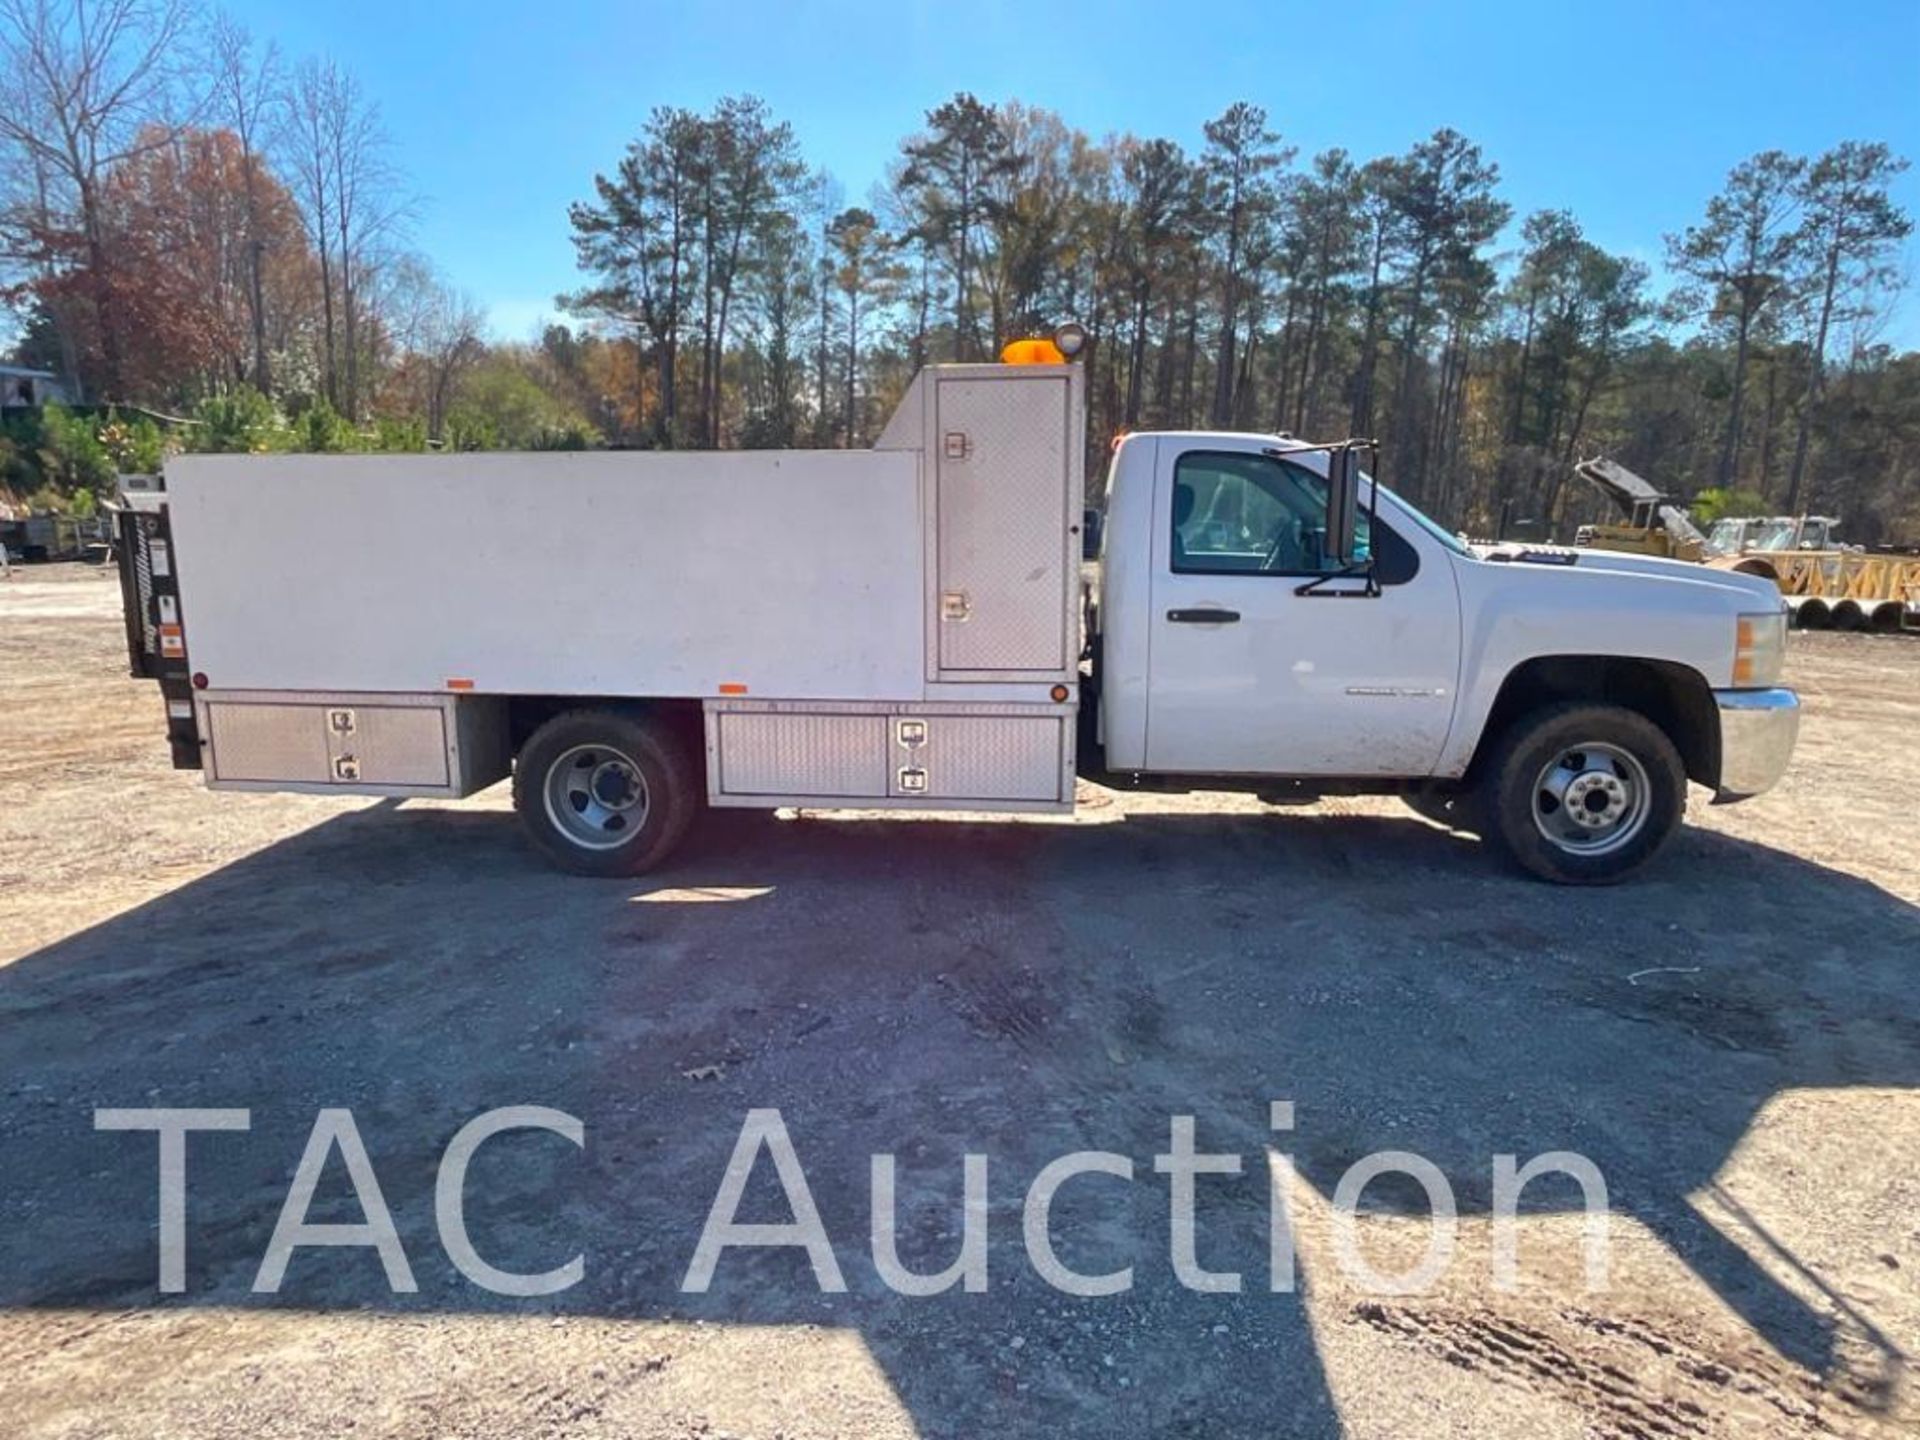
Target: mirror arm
<point>1370,591</point>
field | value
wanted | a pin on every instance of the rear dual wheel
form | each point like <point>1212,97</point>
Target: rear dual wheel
<point>603,793</point>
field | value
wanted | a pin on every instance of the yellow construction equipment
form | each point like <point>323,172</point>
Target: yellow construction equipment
<point>1828,585</point>
<point>1656,524</point>
<point>1839,589</point>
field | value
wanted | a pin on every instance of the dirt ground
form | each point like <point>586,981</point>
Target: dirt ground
<point>1734,1042</point>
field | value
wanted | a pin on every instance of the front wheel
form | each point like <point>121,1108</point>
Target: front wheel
<point>1584,794</point>
<point>605,794</point>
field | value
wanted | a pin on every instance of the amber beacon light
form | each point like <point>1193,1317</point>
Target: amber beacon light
<point>1068,341</point>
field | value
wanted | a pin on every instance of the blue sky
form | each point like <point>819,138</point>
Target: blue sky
<point>1627,113</point>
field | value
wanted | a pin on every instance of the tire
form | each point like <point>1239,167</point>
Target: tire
<point>1583,794</point>
<point>1453,807</point>
<point>605,794</point>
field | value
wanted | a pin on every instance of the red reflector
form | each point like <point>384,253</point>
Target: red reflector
<point>733,687</point>
<point>199,679</point>
<point>459,684</point>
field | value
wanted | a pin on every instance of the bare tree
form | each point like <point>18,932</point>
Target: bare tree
<point>249,100</point>
<point>366,208</point>
<point>84,86</point>
<point>353,205</point>
<point>304,141</point>
<point>437,331</point>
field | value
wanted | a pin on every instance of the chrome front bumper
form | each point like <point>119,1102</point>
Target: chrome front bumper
<point>1757,731</point>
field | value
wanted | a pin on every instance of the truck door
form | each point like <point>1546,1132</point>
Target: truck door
<point>1249,673</point>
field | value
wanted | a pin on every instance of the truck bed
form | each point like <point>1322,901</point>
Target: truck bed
<point>666,574</point>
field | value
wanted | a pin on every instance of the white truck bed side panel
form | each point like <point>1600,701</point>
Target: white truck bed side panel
<point>796,574</point>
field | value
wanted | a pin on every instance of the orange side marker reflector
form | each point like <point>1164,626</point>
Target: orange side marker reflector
<point>459,684</point>
<point>733,687</point>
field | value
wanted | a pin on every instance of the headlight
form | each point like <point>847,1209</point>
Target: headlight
<point>1760,648</point>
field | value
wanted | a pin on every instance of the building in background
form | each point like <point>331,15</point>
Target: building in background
<point>24,389</point>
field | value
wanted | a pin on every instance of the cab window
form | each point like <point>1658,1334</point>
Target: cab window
<point>1235,512</point>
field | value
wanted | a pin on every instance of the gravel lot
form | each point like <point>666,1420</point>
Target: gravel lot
<point>1734,1042</point>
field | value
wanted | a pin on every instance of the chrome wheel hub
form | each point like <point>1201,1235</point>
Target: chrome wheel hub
<point>596,796</point>
<point>1591,798</point>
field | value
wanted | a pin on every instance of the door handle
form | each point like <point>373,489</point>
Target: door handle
<point>1208,616</point>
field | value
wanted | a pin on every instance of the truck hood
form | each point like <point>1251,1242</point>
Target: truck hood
<point>1759,590</point>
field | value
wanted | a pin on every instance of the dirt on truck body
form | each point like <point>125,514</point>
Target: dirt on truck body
<point>1734,1043</point>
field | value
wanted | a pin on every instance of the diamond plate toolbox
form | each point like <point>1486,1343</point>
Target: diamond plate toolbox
<point>953,754</point>
<point>1003,472</point>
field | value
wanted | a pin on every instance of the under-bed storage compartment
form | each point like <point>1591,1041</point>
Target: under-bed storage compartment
<point>429,745</point>
<point>957,756</point>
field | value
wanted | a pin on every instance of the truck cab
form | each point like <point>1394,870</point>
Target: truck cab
<point>1555,701</point>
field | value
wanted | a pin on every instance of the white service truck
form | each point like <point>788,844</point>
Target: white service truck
<point>632,636</point>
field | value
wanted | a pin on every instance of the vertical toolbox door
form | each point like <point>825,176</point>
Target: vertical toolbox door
<point>1001,601</point>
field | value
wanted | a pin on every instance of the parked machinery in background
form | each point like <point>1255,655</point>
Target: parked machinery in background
<point>36,538</point>
<point>1827,585</point>
<point>1656,524</point>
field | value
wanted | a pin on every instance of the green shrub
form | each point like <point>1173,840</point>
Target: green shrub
<point>322,430</point>
<point>500,406</point>
<point>136,446</point>
<point>71,456</point>
<point>240,421</point>
<point>19,465</point>
<point>471,432</point>
<point>572,436</point>
<point>399,436</point>
<point>1715,503</point>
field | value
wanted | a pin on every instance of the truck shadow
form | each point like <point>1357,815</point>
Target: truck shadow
<point>927,989</point>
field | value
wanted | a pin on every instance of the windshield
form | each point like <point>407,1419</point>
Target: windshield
<point>1726,536</point>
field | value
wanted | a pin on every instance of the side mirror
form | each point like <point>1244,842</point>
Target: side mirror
<point>1343,505</point>
<point>1093,526</point>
